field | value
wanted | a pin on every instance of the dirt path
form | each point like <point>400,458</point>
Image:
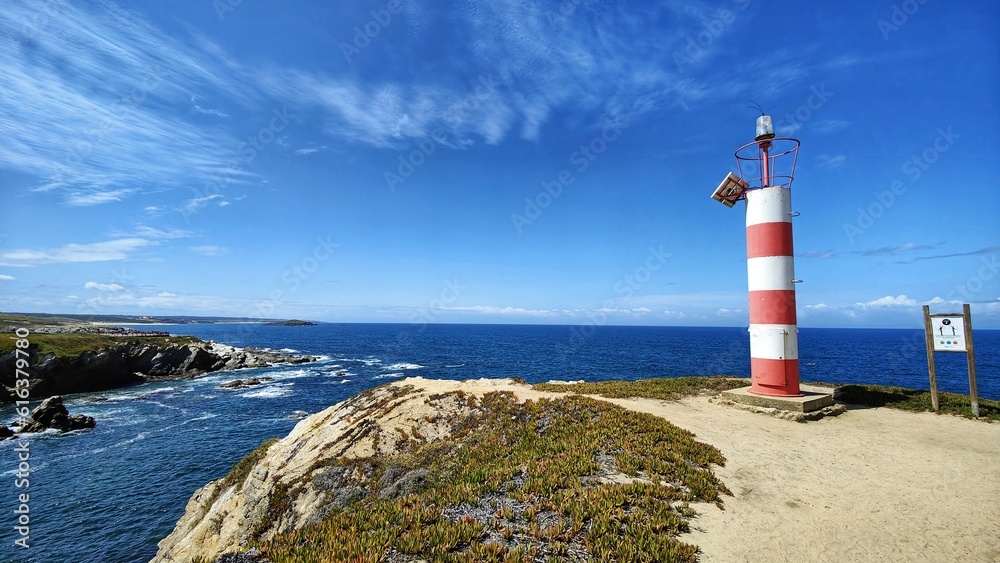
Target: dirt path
<point>869,485</point>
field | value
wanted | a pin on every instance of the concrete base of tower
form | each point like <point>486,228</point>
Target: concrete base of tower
<point>811,399</point>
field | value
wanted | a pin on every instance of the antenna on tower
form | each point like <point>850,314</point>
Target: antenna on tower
<point>760,108</point>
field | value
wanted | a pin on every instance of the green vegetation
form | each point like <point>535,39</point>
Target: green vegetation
<point>72,344</point>
<point>668,388</point>
<point>570,479</point>
<point>915,400</point>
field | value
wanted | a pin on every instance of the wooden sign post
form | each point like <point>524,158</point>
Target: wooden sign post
<point>950,332</point>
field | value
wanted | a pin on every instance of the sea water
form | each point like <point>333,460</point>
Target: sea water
<point>109,494</point>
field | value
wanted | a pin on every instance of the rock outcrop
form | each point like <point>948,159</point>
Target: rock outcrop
<point>53,414</point>
<point>294,481</point>
<point>245,383</point>
<point>133,361</point>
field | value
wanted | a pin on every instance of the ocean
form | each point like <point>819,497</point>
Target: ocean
<point>108,495</point>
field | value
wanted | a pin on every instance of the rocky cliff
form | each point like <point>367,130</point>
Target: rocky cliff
<point>456,471</point>
<point>129,362</point>
<point>289,483</point>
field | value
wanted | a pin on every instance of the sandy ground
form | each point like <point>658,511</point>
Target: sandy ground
<point>870,485</point>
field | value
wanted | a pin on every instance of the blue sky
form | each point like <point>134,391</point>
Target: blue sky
<point>492,162</point>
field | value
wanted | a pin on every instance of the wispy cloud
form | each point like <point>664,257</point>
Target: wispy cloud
<point>829,125</point>
<point>893,250</point>
<point>493,310</point>
<point>123,246</point>
<point>982,251</point>
<point>196,204</point>
<point>207,111</point>
<point>817,254</point>
<point>119,249</point>
<point>104,286</point>
<point>5,277</point>
<point>593,60</point>
<point>209,250</point>
<point>83,93</point>
<point>831,161</point>
<point>96,198</point>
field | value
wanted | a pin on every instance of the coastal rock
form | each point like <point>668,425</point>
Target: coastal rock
<point>5,432</point>
<point>53,414</point>
<point>130,362</point>
<point>303,473</point>
<point>245,383</point>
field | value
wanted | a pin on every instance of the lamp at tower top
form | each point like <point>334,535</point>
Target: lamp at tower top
<point>767,161</point>
<point>765,129</point>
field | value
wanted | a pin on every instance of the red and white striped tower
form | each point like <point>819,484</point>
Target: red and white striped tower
<point>767,167</point>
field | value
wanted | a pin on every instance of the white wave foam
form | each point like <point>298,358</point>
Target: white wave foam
<point>456,366</point>
<point>395,367</point>
<point>166,406</point>
<point>118,398</point>
<point>288,374</point>
<point>389,375</point>
<point>271,392</point>
<point>162,390</point>
<point>370,361</point>
<point>290,350</point>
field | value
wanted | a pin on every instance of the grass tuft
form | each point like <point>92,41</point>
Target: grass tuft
<point>915,400</point>
<point>668,388</point>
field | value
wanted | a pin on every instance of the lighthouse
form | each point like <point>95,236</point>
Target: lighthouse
<point>766,170</point>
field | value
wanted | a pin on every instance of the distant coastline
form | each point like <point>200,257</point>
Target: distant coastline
<point>69,356</point>
<point>292,322</point>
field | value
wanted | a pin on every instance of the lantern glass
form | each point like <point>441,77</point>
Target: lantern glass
<point>765,129</point>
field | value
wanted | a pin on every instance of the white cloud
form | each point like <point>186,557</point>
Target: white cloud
<point>209,250</point>
<point>119,249</point>
<point>104,286</point>
<point>195,205</point>
<point>209,111</point>
<point>96,198</point>
<point>938,300</point>
<point>166,294</point>
<point>5,277</point>
<point>828,161</point>
<point>787,129</point>
<point>492,310</point>
<point>890,301</point>
<point>817,306</point>
<point>829,125</point>
<point>158,234</point>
